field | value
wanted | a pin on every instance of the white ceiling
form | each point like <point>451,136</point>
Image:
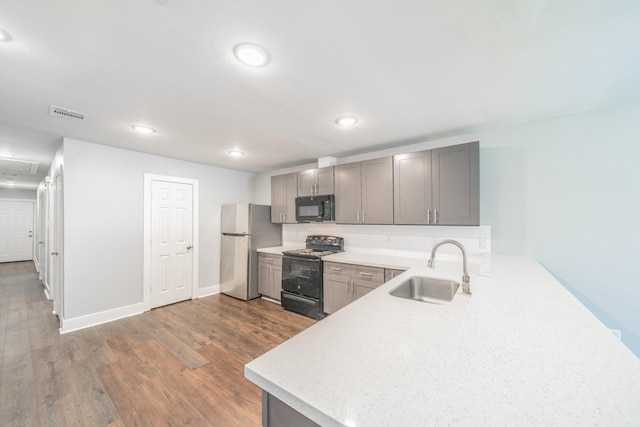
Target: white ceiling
<point>409,70</point>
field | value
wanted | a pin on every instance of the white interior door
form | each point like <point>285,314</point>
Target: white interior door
<point>16,230</point>
<point>171,269</point>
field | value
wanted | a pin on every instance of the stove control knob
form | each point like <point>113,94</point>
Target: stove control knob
<point>298,286</point>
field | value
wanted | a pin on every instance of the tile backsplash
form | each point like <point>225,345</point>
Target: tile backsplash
<point>412,241</point>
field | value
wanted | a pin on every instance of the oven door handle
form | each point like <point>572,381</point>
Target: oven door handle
<point>299,276</point>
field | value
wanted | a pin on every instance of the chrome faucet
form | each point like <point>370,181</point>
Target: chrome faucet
<point>466,288</point>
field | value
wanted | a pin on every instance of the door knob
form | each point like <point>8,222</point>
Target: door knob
<point>54,253</point>
<point>189,247</point>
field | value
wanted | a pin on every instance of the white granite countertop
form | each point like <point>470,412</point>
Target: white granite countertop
<point>520,351</point>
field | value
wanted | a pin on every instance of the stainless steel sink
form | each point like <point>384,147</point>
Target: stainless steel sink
<point>427,289</point>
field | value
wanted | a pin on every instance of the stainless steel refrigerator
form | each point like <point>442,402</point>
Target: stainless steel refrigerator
<point>245,228</point>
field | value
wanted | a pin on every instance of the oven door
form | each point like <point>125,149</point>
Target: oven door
<point>302,276</point>
<point>309,307</point>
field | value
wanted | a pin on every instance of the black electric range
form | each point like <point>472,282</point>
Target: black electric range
<point>302,290</point>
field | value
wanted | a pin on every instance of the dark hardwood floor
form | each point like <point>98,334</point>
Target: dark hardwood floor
<point>177,365</point>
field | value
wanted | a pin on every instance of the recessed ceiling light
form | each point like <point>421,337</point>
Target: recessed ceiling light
<point>235,153</point>
<point>145,130</point>
<point>251,55</point>
<point>4,36</point>
<point>346,121</point>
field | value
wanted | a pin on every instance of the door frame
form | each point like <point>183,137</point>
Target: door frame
<point>55,261</point>
<point>146,271</point>
<point>33,224</point>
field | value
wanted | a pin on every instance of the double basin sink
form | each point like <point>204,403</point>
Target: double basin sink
<point>426,289</point>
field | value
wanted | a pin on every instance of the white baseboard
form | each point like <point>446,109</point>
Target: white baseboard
<point>70,325</point>
<point>209,290</point>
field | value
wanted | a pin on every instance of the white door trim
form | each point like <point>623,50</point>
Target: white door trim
<point>146,271</point>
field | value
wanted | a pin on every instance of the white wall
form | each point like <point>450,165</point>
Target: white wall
<point>103,208</point>
<point>564,191</point>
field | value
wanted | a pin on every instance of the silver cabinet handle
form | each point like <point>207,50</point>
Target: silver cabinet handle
<point>363,220</point>
<point>358,215</point>
<point>429,216</point>
<point>435,216</point>
<point>366,274</point>
<point>336,269</point>
<point>54,253</point>
<point>189,247</point>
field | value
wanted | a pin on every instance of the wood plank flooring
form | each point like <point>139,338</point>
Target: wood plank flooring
<point>177,365</point>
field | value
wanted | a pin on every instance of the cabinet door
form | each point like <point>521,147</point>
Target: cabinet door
<point>290,194</point>
<point>276,277</point>
<point>348,196</point>
<point>306,182</point>
<point>390,273</point>
<point>456,179</point>
<point>336,292</point>
<point>362,287</point>
<point>377,191</point>
<point>324,180</point>
<point>412,188</point>
<point>264,279</point>
<point>277,198</point>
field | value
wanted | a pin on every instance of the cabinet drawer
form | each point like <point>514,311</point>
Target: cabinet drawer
<point>338,269</point>
<point>270,259</point>
<point>373,274</point>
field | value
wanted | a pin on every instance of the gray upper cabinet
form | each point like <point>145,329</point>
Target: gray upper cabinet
<point>364,192</point>
<point>412,188</point>
<point>348,196</point>
<point>284,190</point>
<point>438,186</point>
<point>313,182</point>
<point>456,177</point>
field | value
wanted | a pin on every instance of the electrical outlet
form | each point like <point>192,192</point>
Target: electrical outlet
<point>483,243</point>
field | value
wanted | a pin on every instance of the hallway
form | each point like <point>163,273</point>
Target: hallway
<point>176,365</point>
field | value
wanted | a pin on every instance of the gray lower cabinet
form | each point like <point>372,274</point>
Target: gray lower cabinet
<point>391,273</point>
<point>276,413</point>
<point>313,182</point>
<point>284,190</point>
<point>270,275</point>
<point>344,283</point>
<point>364,192</point>
<point>438,187</point>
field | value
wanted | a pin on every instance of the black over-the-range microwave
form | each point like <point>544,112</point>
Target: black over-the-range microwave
<point>315,208</point>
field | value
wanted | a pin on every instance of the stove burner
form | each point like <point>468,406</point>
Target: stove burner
<point>311,253</point>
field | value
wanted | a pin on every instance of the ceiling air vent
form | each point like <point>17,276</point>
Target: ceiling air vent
<point>65,113</point>
<point>25,167</point>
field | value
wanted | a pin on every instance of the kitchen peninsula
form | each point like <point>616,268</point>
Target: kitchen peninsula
<point>521,350</point>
